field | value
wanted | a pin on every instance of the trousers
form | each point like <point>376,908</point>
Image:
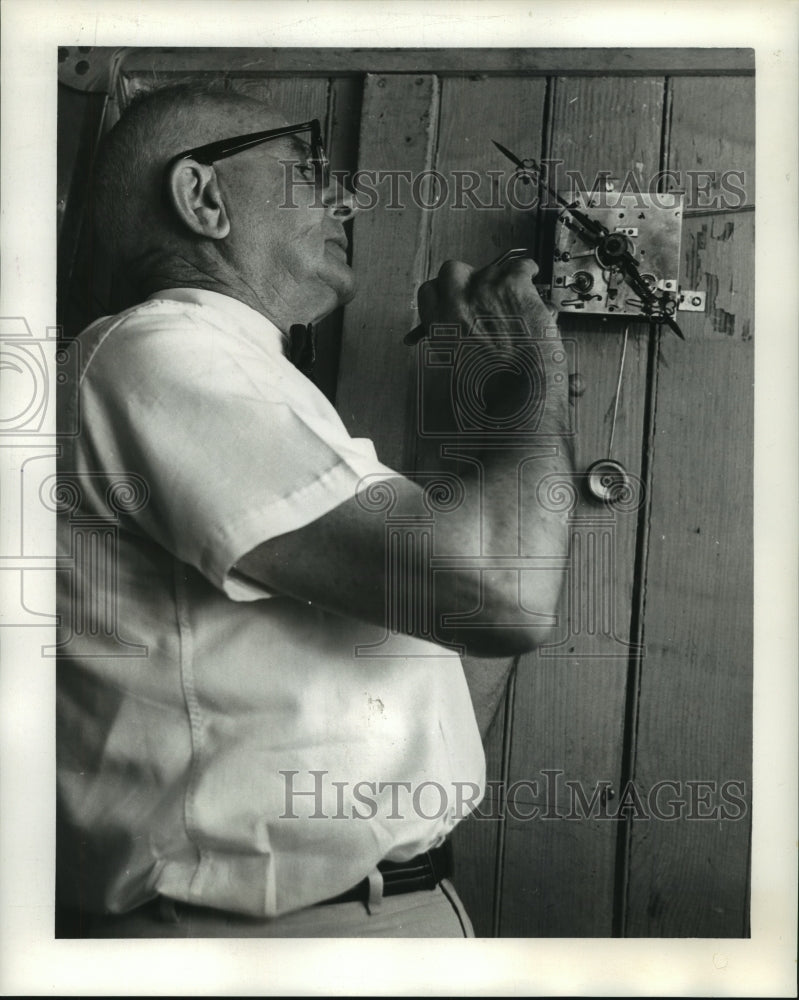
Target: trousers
<point>436,912</point>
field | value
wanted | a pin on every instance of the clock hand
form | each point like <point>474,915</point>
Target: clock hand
<point>628,266</point>
<point>511,156</point>
<point>594,228</point>
<point>607,245</point>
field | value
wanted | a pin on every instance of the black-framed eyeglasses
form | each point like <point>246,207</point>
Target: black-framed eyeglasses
<point>222,148</point>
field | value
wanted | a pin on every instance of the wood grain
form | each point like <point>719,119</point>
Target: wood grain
<point>374,395</point>
<point>343,122</point>
<point>713,132</point>
<point>570,704</point>
<point>476,841</point>
<point>473,112</point>
<point>718,259</point>
<point>694,718</point>
<point>78,299</point>
<point>298,100</point>
<point>713,154</point>
<point>534,61</point>
<point>689,878</point>
<point>554,848</point>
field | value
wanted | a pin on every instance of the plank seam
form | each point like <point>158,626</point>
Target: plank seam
<point>351,145</point>
<point>638,616</point>
<point>411,451</point>
<point>547,132</point>
<point>708,61</point>
<point>507,743</point>
<point>638,633</point>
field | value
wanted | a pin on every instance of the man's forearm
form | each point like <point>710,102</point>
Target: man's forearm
<point>518,531</point>
<point>516,483</point>
<point>500,545</point>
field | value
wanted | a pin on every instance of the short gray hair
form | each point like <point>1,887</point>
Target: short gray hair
<point>127,182</point>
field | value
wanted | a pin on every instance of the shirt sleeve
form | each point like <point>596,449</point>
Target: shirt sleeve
<point>235,445</point>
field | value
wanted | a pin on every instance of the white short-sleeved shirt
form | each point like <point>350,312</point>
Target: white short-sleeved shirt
<point>194,708</point>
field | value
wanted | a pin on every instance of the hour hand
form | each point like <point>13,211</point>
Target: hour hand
<point>628,266</point>
<point>589,231</point>
<point>671,323</point>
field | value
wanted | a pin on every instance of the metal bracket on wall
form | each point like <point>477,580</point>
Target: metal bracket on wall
<point>88,69</point>
<point>691,300</point>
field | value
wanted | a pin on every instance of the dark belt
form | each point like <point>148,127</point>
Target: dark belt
<point>424,871</point>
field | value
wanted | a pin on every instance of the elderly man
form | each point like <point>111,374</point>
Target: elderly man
<point>234,757</point>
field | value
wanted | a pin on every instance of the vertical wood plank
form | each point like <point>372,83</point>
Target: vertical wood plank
<point>717,259</point>
<point>476,229</point>
<point>713,156</point>
<point>343,121</point>
<point>713,133</point>
<point>476,840</point>
<point>689,877</point>
<point>296,98</point>
<point>570,704</point>
<point>79,116</point>
<point>374,396</point>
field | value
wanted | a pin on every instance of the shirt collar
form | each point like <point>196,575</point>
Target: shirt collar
<point>237,310</point>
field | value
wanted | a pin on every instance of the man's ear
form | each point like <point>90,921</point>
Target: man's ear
<point>193,191</point>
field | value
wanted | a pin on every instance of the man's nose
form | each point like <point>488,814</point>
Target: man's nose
<point>338,201</point>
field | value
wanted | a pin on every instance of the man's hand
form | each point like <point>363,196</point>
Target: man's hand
<point>461,295</point>
<point>514,362</point>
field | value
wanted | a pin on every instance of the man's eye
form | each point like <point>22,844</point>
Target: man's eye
<point>305,170</point>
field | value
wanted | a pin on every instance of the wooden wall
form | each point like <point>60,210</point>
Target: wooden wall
<point>658,688</point>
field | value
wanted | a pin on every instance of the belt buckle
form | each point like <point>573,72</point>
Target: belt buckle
<point>424,871</point>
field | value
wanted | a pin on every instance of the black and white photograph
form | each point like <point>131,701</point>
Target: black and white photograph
<point>386,472</point>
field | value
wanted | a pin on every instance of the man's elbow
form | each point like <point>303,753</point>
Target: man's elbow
<point>502,640</point>
<point>508,626</point>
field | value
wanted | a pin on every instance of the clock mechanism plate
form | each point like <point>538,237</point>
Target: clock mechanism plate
<point>651,223</point>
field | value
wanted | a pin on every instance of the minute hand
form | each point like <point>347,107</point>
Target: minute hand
<point>593,228</point>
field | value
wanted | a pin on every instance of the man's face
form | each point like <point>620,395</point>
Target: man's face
<point>287,239</point>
